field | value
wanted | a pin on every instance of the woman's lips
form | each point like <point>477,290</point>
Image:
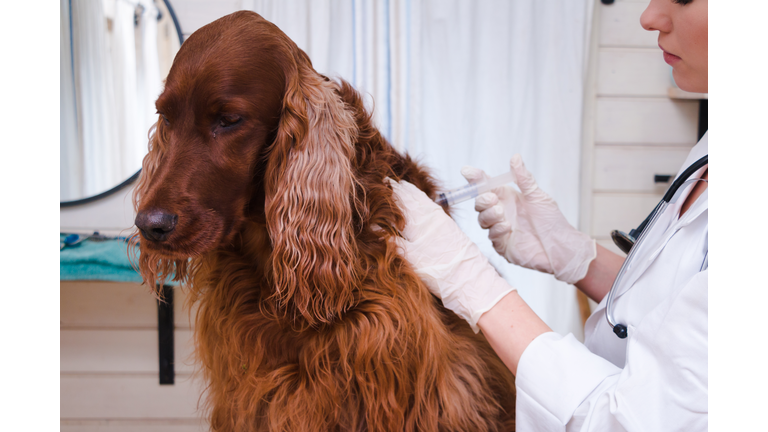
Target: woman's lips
<point>671,59</point>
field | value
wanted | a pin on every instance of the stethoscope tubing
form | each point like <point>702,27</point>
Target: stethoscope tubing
<point>673,193</point>
<point>620,329</point>
<point>683,178</point>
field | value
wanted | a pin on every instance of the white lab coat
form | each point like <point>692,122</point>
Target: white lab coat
<point>656,378</point>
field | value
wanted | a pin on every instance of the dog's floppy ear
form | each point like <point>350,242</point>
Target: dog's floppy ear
<point>310,193</point>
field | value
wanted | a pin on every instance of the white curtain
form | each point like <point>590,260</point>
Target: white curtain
<point>459,82</point>
<point>127,110</point>
<point>149,80</point>
<point>110,79</point>
<point>94,90</point>
<point>71,157</point>
<point>499,78</point>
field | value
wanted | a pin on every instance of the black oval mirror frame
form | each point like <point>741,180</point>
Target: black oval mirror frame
<point>135,176</point>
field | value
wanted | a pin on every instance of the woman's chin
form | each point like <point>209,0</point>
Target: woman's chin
<point>689,84</point>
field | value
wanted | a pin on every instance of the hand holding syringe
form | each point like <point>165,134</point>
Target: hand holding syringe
<point>472,190</point>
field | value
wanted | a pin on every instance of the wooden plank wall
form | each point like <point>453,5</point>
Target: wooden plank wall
<point>109,362</point>
<point>633,130</point>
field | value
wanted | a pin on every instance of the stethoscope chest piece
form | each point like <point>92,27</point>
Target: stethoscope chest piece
<point>623,240</point>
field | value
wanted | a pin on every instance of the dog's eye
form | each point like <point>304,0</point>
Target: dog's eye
<point>229,120</point>
<point>165,120</point>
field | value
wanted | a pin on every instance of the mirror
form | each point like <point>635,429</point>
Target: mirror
<point>115,55</point>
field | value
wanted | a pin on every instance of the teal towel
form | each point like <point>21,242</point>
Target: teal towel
<point>98,260</point>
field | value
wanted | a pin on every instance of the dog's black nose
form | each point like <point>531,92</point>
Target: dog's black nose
<point>156,224</point>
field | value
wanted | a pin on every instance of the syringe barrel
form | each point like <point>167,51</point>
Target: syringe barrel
<point>456,196</point>
<point>472,190</point>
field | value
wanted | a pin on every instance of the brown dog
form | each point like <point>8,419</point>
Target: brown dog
<point>264,192</point>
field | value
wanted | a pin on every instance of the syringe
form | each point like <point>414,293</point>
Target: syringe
<point>472,190</point>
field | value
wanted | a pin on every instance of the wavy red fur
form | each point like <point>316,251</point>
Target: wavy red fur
<point>307,317</point>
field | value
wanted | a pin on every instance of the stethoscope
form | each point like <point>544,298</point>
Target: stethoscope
<point>628,244</point>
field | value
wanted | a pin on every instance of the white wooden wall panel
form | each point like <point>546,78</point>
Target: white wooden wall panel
<point>123,425</point>
<point>620,211</point>
<point>620,25</point>
<point>114,304</point>
<point>96,303</point>
<point>646,121</point>
<point>121,351</point>
<point>135,396</point>
<point>632,168</point>
<point>632,72</point>
<point>109,361</point>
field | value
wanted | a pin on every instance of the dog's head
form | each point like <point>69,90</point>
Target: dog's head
<point>248,130</point>
<point>219,111</point>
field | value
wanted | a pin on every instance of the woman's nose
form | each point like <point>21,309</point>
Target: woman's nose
<point>656,16</point>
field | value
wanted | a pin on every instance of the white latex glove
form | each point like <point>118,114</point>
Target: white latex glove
<point>450,264</point>
<point>528,228</point>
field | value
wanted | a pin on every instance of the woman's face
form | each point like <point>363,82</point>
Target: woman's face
<point>682,27</point>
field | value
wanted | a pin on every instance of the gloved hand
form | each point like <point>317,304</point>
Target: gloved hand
<point>529,230</point>
<point>450,264</point>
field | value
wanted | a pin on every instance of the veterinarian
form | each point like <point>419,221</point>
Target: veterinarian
<point>655,378</point>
